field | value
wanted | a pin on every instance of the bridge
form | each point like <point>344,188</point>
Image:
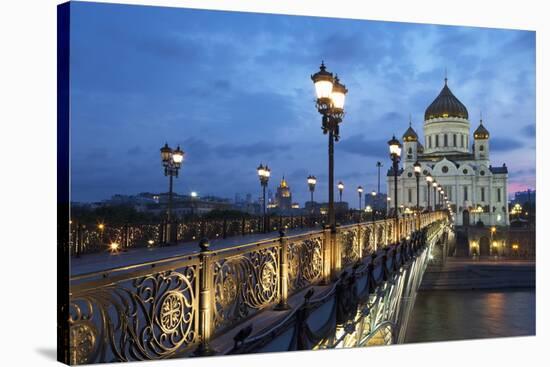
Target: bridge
<point>352,286</point>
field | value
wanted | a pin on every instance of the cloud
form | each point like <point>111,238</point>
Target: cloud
<point>358,144</point>
<point>505,144</point>
<point>233,89</point>
<point>250,150</point>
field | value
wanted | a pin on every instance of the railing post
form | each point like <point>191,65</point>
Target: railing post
<point>336,253</point>
<point>327,257</point>
<point>374,244</point>
<point>206,288</point>
<point>360,241</point>
<point>283,274</point>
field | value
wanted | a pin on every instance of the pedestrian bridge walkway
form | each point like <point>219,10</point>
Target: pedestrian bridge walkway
<point>352,286</point>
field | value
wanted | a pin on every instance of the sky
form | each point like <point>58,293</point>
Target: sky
<point>234,90</point>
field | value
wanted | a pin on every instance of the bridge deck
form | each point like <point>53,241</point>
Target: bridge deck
<point>90,263</point>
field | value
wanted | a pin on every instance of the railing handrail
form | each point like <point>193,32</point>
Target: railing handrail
<point>216,252</point>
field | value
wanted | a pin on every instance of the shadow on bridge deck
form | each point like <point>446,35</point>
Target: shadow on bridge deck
<point>90,263</point>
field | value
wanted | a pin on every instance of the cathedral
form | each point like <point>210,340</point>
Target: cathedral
<point>476,190</point>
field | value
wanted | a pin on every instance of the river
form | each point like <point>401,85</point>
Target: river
<point>455,315</point>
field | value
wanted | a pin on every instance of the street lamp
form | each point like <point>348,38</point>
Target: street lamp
<point>369,209</point>
<point>311,182</point>
<point>395,155</point>
<point>429,180</point>
<point>417,169</point>
<point>331,95</point>
<point>263,174</point>
<point>379,165</point>
<point>373,201</point>
<point>340,189</point>
<point>171,161</point>
<point>360,192</point>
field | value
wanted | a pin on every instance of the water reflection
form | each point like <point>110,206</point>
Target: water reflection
<point>454,315</point>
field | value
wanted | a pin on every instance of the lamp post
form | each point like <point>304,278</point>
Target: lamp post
<point>379,165</point>
<point>193,199</point>
<point>311,182</point>
<point>429,180</point>
<point>263,174</point>
<point>417,169</point>
<point>374,201</point>
<point>331,95</point>
<point>340,189</point>
<point>360,192</point>
<point>435,193</point>
<point>171,161</point>
<point>395,155</point>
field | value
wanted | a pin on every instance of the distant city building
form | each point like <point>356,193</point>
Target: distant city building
<point>283,197</point>
<point>158,203</point>
<point>476,190</point>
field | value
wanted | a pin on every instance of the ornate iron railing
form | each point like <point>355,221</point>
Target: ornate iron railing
<point>88,238</point>
<point>177,305</point>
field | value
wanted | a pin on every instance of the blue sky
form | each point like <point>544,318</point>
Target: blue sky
<point>234,89</point>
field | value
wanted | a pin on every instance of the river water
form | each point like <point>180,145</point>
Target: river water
<point>455,315</point>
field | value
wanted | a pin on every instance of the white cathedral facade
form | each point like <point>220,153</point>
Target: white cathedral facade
<point>476,190</point>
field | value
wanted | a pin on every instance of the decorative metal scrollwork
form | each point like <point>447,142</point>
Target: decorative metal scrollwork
<point>142,319</point>
<point>244,283</point>
<point>350,246</point>
<point>305,262</point>
<point>368,240</point>
<point>82,342</point>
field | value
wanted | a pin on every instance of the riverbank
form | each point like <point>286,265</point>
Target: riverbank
<point>483,274</point>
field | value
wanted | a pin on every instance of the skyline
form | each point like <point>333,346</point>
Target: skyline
<point>143,76</point>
